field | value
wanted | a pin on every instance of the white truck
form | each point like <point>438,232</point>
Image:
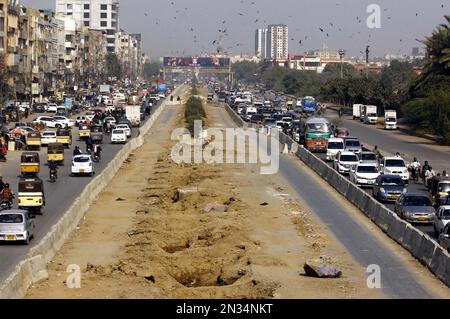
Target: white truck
<point>357,111</point>
<point>390,120</point>
<point>370,114</point>
<point>133,114</point>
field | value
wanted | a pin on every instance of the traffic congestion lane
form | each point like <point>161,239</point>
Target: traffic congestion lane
<point>396,141</point>
<point>59,196</point>
<point>358,238</point>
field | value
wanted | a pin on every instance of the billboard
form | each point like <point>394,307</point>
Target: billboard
<point>210,62</point>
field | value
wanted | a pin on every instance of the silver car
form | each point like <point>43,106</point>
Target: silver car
<point>415,208</point>
<point>16,225</point>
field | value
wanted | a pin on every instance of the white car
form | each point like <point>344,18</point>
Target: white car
<point>365,174</point>
<point>344,162</point>
<point>82,164</point>
<point>52,107</point>
<point>90,115</point>
<point>441,219</point>
<point>118,136</point>
<point>80,119</point>
<point>16,225</point>
<point>111,120</point>
<point>126,128</point>
<point>48,137</point>
<point>46,120</point>
<point>395,166</point>
<point>63,122</point>
<point>335,145</point>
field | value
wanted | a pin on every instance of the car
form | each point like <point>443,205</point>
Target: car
<point>45,120</point>
<point>415,208</point>
<point>63,122</point>
<point>52,107</point>
<point>256,119</point>
<point>62,111</point>
<point>444,238</point>
<point>16,225</point>
<point>341,132</point>
<point>90,115</point>
<point>395,166</point>
<point>335,145</point>
<point>368,158</point>
<point>21,130</point>
<point>352,144</point>
<point>80,119</point>
<point>441,220</point>
<point>388,188</point>
<point>111,120</point>
<point>365,174</point>
<point>344,162</point>
<point>124,127</point>
<point>48,137</point>
<point>82,164</point>
<point>118,136</point>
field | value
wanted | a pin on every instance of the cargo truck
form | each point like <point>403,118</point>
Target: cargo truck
<point>133,114</point>
<point>357,111</point>
<point>370,114</point>
<point>390,120</point>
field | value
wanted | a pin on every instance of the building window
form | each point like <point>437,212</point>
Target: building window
<point>103,15</point>
<point>86,15</point>
<point>103,23</point>
<point>87,7</point>
<point>86,23</point>
<point>114,25</point>
<point>103,7</point>
<point>111,41</point>
<point>114,7</point>
<point>69,6</point>
<point>110,32</point>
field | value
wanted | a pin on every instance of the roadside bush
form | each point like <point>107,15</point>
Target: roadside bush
<point>194,111</point>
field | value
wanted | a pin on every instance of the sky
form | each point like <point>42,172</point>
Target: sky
<point>190,27</point>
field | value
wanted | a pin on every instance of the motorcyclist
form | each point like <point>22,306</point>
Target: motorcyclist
<point>341,111</point>
<point>2,185</point>
<point>77,151</point>
<point>377,152</point>
<point>53,169</point>
<point>97,151</point>
<point>7,195</point>
<point>171,98</point>
<point>415,169</point>
<point>89,145</point>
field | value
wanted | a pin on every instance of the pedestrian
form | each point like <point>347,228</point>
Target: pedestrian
<point>444,173</point>
<point>429,174</point>
<point>2,184</point>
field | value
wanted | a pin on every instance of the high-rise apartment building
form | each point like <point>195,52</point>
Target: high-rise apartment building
<point>261,43</point>
<point>278,40</point>
<point>93,14</point>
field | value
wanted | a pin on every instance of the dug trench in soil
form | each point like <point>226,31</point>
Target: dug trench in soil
<point>159,243</point>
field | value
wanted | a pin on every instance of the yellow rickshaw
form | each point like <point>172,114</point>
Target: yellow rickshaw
<point>31,195</point>
<point>55,153</point>
<point>84,131</point>
<point>64,136</point>
<point>33,140</point>
<point>30,164</point>
<point>440,187</point>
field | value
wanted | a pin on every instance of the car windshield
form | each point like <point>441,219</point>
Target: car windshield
<point>118,132</point>
<point>390,119</point>
<point>368,157</point>
<point>49,134</point>
<point>318,127</point>
<point>392,181</point>
<point>349,158</point>
<point>11,219</point>
<point>335,145</point>
<point>342,132</point>
<point>444,188</point>
<point>417,201</point>
<point>446,214</point>
<point>395,163</point>
<point>367,169</point>
<point>83,159</point>
<point>352,143</point>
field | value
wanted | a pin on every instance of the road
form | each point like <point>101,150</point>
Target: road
<point>400,280</point>
<point>59,196</point>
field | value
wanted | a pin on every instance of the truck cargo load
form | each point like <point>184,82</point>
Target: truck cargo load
<point>133,114</point>
<point>357,111</point>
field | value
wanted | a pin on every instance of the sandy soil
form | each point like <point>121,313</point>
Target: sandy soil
<point>141,240</point>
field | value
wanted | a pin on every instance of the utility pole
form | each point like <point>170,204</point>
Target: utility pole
<point>367,61</point>
<point>341,56</point>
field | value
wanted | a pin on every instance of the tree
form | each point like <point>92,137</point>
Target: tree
<point>333,70</point>
<point>113,66</point>
<point>151,70</point>
<point>247,71</point>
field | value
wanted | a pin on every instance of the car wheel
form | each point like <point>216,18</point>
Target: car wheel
<point>58,126</point>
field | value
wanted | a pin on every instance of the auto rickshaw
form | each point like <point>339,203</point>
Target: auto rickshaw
<point>30,164</point>
<point>440,188</point>
<point>55,153</point>
<point>64,136</point>
<point>84,131</point>
<point>31,195</point>
<point>97,134</point>
<point>33,140</point>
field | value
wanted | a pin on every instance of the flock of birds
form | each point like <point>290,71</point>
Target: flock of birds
<point>224,35</point>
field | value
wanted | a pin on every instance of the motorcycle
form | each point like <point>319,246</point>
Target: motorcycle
<point>53,176</point>
<point>5,205</point>
<point>96,157</point>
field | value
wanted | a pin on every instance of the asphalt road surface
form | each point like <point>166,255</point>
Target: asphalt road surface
<point>397,279</point>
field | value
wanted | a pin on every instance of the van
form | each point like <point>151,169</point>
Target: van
<point>335,145</point>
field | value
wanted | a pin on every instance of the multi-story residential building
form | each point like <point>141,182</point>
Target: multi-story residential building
<point>94,14</point>
<point>278,41</point>
<point>261,44</point>
<point>129,51</point>
<point>314,60</point>
<point>3,34</point>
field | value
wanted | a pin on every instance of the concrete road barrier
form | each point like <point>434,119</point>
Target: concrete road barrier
<point>424,253</point>
<point>411,238</point>
<point>440,264</point>
<point>397,229</point>
<point>34,268</point>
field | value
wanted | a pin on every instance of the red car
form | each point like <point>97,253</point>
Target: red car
<point>341,132</point>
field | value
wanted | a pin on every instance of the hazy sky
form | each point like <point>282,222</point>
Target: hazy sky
<point>167,27</point>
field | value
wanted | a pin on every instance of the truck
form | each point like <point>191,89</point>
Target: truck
<point>390,120</point>
<point>309,104</point>
<point>133,114</point>
<point>357,111</point>
<point>370,114</point>
<point>362,109</point>
<point>105,88</point>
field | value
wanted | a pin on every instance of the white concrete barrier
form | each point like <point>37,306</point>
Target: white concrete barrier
<point>34,268</point>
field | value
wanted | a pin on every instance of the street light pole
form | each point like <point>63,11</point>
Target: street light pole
<point>341,56</point>
<point>367,61</point>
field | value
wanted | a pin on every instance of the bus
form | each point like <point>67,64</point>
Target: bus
<point>309,104</point>
<point>315,133</point>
